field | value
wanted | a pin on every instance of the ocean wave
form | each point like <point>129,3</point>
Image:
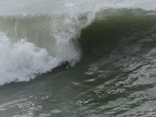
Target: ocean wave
<point>34,43</point>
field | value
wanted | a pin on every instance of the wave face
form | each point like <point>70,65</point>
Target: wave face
<point>37,36</point>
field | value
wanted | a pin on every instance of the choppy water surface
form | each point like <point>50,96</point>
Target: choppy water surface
<point>78,58</point>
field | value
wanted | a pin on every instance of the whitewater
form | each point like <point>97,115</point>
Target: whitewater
<point>38,36</point>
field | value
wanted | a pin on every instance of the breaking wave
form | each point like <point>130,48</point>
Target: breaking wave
<point>36,41</point>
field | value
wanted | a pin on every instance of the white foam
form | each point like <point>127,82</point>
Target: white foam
<point>21,61</point>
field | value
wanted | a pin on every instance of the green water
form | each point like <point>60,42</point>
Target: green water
<point>115,77</point>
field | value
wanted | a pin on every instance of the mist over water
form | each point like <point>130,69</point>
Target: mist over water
<point>77,58</point>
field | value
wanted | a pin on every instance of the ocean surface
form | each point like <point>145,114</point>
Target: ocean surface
<point>78,58</point>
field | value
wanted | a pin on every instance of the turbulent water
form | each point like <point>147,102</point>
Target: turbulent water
<point>77,58</point>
